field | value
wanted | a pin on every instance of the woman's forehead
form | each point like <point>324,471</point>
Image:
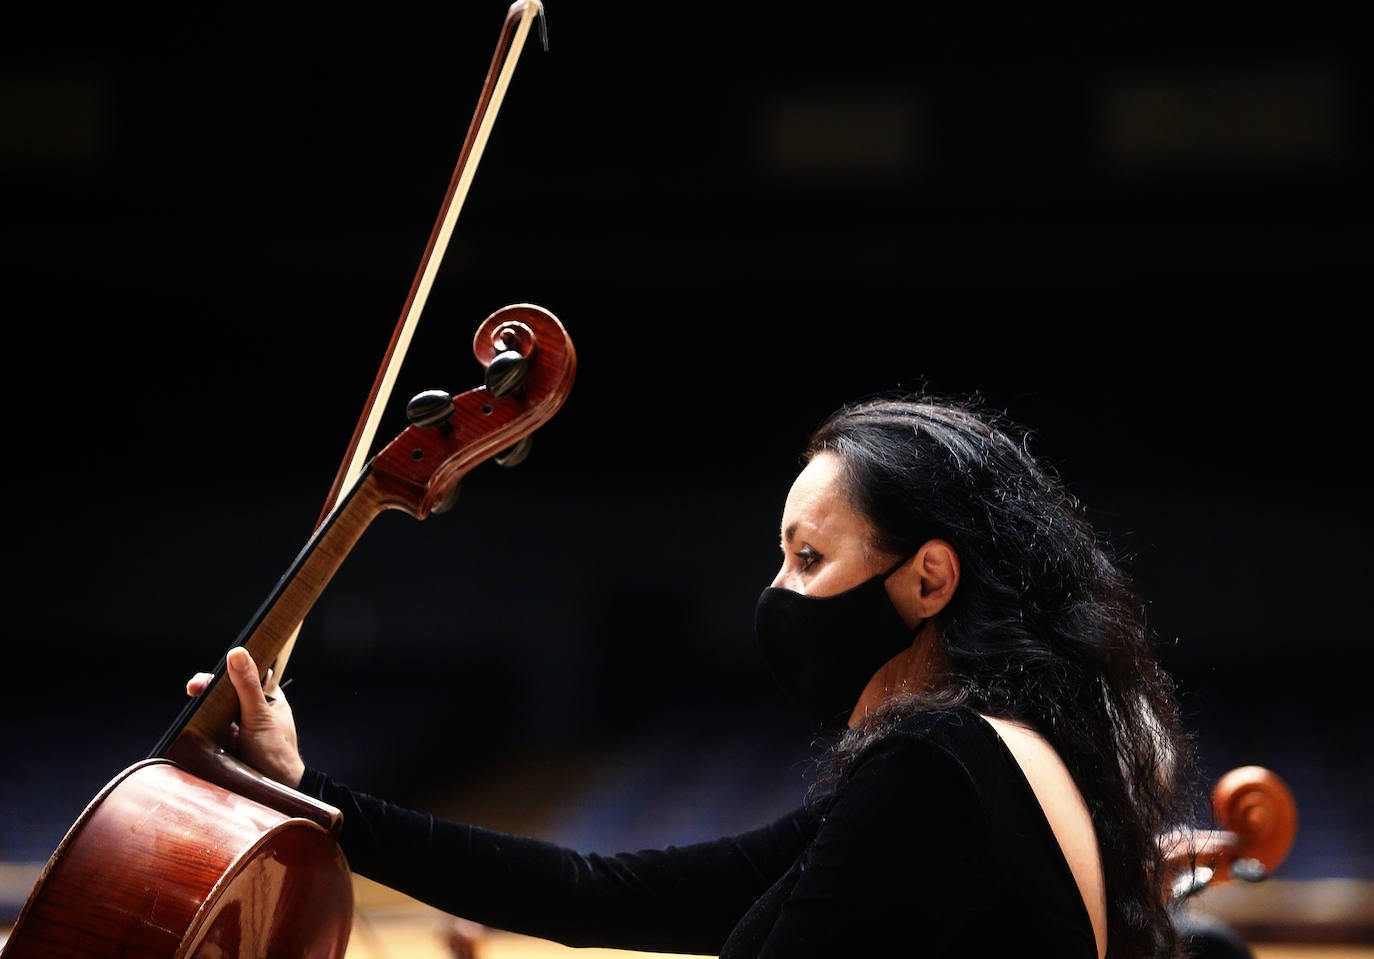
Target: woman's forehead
<point>816,505</point>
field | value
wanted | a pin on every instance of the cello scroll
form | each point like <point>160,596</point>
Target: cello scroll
<point>1257,818</point>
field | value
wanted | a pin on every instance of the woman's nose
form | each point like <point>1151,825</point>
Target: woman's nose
<point>780,579</point>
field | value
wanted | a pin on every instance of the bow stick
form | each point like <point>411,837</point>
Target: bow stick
<point>511,42</point>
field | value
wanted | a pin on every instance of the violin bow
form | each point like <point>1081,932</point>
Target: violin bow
<point>509,45</point>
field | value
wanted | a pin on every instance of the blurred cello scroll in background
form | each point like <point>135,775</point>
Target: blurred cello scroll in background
<point>1229,875</point>
<point>1257,822</point>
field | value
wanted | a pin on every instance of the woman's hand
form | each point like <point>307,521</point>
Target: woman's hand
<point>265,735</point>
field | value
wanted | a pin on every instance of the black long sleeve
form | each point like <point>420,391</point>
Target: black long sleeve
<point>675,899</point>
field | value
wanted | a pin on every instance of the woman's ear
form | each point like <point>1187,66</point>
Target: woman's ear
<point>936,566</point>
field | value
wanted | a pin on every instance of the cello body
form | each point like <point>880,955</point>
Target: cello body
<point>163,863</point>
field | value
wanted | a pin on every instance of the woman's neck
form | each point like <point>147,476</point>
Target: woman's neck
<point>914,670</point>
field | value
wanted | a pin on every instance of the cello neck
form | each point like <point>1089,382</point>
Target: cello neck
<point>207,718</point>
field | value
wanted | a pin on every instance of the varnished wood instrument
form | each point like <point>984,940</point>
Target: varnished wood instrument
<point>191,854</point>
<point>1256,822</point>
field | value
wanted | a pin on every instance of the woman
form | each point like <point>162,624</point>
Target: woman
<point>1009,758</point>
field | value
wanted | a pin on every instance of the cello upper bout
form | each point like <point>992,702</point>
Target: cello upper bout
<point>185,868</point>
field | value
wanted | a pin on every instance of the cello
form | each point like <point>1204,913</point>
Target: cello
<point>192,853</point>
<point>1256,820</point>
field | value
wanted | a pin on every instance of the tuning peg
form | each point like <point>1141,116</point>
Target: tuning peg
<point>451,497</point>
<point>516,454</point>
<point>506,373</point>
<point>429,408</point>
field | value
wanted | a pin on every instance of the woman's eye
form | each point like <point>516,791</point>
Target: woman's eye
<point>809,557</point>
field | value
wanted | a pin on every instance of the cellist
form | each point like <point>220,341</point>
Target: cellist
<point>1008,746</point>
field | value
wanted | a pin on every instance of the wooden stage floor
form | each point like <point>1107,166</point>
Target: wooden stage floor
<point>1281,919</point>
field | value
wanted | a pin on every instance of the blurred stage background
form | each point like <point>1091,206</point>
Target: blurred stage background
<point>1145,235</point>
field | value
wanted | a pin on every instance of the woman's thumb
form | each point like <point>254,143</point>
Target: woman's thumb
<point>243,673</point>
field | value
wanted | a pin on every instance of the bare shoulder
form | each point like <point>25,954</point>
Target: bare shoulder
<point>1066,812</point>
<point>1037,758</point>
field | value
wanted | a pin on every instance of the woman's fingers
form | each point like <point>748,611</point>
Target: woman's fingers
<point>265,734</point>
<point>197,683</point>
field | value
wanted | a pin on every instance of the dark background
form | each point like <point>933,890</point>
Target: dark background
<point>1147,236</point>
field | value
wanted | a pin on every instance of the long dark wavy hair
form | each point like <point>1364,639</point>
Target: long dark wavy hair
<point>1045,627</point>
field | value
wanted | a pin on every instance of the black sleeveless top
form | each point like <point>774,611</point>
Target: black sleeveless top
<point>932,844</point>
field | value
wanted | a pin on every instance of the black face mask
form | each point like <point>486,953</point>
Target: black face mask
<point>823,650</point>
